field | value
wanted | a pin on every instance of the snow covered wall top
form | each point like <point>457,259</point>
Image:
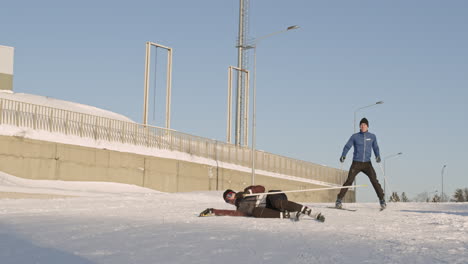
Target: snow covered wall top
<point>61,104</point>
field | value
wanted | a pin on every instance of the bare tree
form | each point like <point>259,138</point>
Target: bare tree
<point>422,197</point>
<point>459,195</point>
<point>404,198</point>
<point>394,197</point>
<point>444,198</point>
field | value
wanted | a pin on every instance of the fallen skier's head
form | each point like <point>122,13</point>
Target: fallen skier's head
<point>229,196</point>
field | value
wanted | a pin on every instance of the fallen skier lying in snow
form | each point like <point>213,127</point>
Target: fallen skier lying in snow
<point>262,205</point>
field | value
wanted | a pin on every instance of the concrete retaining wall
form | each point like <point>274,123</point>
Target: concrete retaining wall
<point>34,159</point>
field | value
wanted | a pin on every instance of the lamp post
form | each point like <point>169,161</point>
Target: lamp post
<point>376,103</point>
<point>385,170</point>
<point>254,92</point>
<point>442,173</point>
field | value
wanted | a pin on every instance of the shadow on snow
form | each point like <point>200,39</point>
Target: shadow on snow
<point>436,212</point>
<point>15,250</point>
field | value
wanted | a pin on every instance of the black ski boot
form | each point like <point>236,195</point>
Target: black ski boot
<point>338,204</point>
<point>383,205</point>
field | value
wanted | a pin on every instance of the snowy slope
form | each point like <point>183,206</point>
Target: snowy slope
<point>143,226</point>
<point>61,104</point>
<point>12,184</point>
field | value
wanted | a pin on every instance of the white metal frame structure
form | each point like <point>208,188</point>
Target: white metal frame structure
<point>229,107</point>
<point>168,82</point>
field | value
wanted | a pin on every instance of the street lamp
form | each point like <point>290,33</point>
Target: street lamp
<point>442,173</point>
<point>376,103</point>
<point>385,169</point>
<point>254,110</point>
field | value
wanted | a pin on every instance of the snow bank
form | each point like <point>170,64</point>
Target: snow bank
<point>12,184</point>
<point>61,104</point>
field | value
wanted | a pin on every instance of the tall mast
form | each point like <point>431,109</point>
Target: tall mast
<point>241,126</point>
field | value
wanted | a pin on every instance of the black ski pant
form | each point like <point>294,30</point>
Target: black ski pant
<point>275,205</point>
<point>367,168</point>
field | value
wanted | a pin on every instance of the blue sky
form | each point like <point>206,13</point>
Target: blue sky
<point>347,54</point>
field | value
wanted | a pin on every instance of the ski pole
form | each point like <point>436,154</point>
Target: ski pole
<point>341,169</point>
<point>307,190</point>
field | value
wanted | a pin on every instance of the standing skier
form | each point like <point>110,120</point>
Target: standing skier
<point>271,206</point>
<point>363,143</point>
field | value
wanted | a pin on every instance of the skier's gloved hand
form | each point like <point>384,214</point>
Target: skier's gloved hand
<point>241,194</point>
<point>207,212</point>
<point>378,159</point>
<point>342,159</point>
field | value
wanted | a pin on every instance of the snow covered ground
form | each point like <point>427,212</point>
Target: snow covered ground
<point>117,223</point>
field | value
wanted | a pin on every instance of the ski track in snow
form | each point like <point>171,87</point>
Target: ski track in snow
<point>143,226</point>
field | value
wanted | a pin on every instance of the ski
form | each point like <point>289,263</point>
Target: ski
<point>345,209</point>
<point>302,217</point>
<point>295,219</point>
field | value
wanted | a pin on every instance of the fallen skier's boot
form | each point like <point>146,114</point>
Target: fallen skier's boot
<point>320,217</point>
<point>307,211</point>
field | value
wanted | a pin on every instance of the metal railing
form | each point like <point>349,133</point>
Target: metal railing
<point>56,120</point>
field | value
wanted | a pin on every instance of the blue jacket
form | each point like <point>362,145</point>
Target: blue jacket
<point>362,143</point>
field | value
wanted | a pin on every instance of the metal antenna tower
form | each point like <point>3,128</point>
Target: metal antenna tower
<point>242,100</point>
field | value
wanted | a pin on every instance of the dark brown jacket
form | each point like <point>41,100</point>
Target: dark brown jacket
<point>244,205</point>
